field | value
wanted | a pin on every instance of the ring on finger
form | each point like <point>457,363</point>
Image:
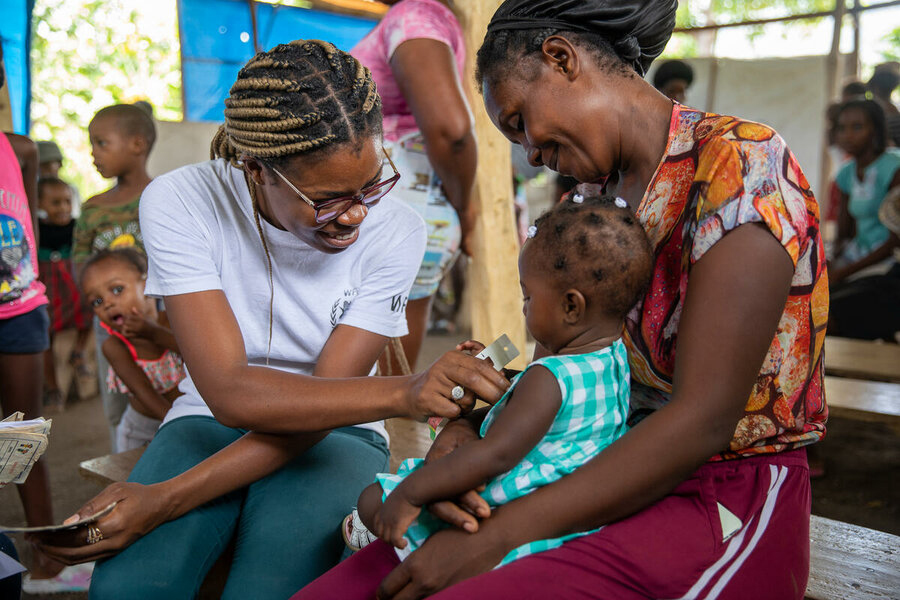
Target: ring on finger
<point>457,393</point>
<point>94,535</point>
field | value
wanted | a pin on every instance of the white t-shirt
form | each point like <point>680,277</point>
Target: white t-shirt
<point>200,234</point>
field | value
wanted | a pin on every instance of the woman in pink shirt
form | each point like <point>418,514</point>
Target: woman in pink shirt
<point>416,55</point>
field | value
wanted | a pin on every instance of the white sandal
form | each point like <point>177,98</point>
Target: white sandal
<point>355,534</point>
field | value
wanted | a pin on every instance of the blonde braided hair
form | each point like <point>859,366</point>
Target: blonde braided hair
<point>300,98</point>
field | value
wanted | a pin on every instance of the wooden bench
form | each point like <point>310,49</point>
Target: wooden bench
<point>862,359</point>
<point>848,561</point>
<point>860,400</point>
<point>110,468</point>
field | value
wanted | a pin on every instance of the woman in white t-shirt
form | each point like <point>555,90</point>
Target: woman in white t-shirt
<point>282,258</point>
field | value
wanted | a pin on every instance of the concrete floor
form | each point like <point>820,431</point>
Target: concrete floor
<point>862,461</point>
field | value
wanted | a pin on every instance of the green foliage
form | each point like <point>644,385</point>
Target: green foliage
<point>890,45</point>
<point>692,13</point>
<point>87,54</point>
<point>695,13</point>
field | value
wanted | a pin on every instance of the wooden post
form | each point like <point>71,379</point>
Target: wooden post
<point>6,119</point>
<point>831,84</point>
<point>493,285</point>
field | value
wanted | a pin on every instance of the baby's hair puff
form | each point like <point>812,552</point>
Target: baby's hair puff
<point>127,256</point>
<point>595,244</point>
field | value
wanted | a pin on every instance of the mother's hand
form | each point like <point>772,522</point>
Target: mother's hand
<point>139,509</point>
<point>429,392</point>
<point>447,557</point>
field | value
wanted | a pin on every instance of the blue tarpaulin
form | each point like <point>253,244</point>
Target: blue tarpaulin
<point>217,39</point>
<point>15,35</point>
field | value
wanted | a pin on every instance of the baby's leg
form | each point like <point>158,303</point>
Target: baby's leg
<point>369,503</point>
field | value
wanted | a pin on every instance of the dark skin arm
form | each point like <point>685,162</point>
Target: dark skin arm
<point>146,400</point>
<point>349,352</point>
<point>26,152</point>
<point>730,317</point>
<point>519,427</point>
<point>425,71</point>
<point>212,346</point>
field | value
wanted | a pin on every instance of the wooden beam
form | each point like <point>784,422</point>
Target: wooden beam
<point>799,17</point>
<point>493,273</point>
<point>369,9</point>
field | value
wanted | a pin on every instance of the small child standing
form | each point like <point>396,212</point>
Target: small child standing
<point>583,267</point>
<point>144,361</point>
<point>67,310</point>
<point>121,137</point>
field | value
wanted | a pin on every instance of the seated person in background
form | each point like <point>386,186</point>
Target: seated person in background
<point>864,307</point>
<point>882,84</point>
<point>67,309</point>
<point>144,361</point>
<point>584,266</point>
<point>673,78</point>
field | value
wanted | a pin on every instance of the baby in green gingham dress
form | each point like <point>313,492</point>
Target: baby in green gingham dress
<point>584,266</point>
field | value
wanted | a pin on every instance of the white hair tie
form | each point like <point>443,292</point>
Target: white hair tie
<point>621,203</point>
<point>532,231</point>
<point>577,198</point>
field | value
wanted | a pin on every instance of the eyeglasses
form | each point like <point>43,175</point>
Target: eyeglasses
<point>327,210</point>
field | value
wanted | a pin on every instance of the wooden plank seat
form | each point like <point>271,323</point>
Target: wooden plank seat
<point>110,468</point>
<point>860,400</point>
<point>849,561</point>
<point>862,359</point>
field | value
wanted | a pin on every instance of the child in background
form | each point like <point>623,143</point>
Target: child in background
<point>121,139</point>
<point>50,162</point>
<point>67,310</point>
<point>584,266</point>
<point>143,357</point>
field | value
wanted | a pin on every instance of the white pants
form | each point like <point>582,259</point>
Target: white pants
<point>135,430</point>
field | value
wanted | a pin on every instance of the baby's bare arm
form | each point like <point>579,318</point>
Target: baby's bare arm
<point>518,428</point>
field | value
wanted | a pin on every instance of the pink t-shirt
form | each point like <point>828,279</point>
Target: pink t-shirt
<point>20,290</point>
<point>406,20</point>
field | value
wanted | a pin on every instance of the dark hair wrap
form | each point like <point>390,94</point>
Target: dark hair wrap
<point>638,30</point>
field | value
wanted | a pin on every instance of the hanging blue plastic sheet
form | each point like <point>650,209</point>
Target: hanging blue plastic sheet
<point>217,39</point>
<point>15,35</point>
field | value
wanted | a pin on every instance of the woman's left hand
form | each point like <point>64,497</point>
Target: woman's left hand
<point>139,509</point>
<point>447,557</point>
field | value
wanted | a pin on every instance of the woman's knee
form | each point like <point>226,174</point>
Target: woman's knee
<point>116,579</point>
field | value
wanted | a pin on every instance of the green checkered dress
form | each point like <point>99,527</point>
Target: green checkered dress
<point>595,390</point>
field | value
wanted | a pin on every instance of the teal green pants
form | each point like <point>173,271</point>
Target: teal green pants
<point>286,526</point>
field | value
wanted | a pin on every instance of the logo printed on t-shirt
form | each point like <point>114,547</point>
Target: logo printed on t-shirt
<point>341,305</point>
<point>16,270</point>
<point>398,303</point>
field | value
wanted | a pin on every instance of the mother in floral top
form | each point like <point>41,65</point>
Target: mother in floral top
<point>708,495</point>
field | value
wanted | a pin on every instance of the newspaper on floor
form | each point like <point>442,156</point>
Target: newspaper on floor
<point>22,443</point>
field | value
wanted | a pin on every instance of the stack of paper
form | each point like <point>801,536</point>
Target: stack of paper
<point>21,444</point>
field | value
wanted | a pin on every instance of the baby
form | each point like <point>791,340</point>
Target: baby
<point>583,267</point>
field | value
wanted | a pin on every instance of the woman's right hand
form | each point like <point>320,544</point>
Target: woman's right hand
<point>139,509</point>
<point>429,393</point>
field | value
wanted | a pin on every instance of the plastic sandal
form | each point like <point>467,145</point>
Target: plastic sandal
<point>355,534</point>
<point>76,578</point>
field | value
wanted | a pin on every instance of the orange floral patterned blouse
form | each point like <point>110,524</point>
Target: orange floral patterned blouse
<point>717,174</point>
